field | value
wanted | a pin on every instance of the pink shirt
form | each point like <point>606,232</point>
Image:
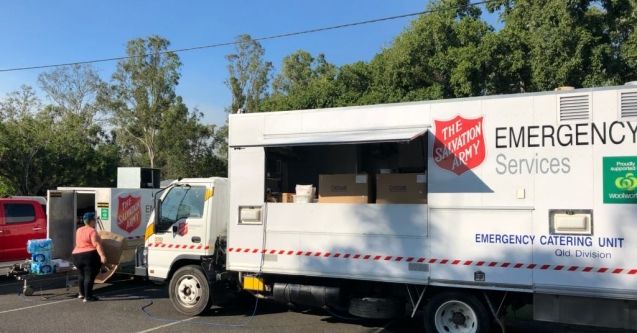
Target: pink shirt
<point>86,239</point>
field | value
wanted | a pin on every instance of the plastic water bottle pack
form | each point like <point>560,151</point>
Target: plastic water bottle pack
<point>40,250</point>
<point>39,245</point>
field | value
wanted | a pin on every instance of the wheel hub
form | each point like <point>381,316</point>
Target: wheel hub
<point>458,318</point>
<point>188,291</point>
<point>455,316</point>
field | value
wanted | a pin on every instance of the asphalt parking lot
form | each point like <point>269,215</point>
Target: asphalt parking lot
<point>134,306</point>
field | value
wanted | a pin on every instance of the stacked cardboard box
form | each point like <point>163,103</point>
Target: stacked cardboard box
<point>401,188</point>
<point>344,188</point>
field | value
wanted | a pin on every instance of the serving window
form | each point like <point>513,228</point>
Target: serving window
<point>378,172</point>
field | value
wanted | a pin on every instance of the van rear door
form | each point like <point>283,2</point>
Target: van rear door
<point>22,220</point>
<point>62,222</point>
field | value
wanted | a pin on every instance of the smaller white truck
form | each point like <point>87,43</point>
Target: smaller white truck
<point>123,211</point>
<point>462,208</point>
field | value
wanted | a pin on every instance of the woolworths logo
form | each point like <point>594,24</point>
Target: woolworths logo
<point>626,183</point>
<point>620,182</point>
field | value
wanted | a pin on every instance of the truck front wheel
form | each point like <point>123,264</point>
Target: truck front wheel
<point>189,290</point>
<point>456,312</point>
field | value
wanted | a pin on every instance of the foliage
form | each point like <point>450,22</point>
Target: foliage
<point>143,90</point>
<point>249,74</point>
<point>452,52</point>
<point>304,82</point>
<point>578,43</point>
<point>73,89</point>
<point>18,103</point>
<point>48,148</point>
<point>188,146</point>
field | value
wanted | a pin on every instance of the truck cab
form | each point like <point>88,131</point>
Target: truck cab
<point>21,219</point>
<point>185,240</point>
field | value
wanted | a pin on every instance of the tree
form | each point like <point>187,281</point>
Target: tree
<point>143,90</point>
<point>19,103</point>
<point>188,146</point>
<point>440,55</point>
<point>304,82</point>
<point>450,52</point>
<point>296,73</point>
<point>248,73</point>
<point>41,150</point>
<point>73,89</point>
<point>580,43</point>
<point>353,82</point>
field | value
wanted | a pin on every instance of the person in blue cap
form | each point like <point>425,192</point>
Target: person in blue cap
<point>88,256</point>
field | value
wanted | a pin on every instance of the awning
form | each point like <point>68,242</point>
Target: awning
<point>402,134</point>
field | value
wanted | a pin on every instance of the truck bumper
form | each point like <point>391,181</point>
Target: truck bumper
<point>141,266</point>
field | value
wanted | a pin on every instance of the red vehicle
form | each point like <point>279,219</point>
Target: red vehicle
<point>21,219</point>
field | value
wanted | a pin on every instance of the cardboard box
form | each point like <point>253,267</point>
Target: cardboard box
<point>401,188</point>
<point>287,197</point>
<point>344,188</point>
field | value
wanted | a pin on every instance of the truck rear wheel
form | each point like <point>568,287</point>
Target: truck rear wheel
<point>456,312</point>
<point>189,290</point>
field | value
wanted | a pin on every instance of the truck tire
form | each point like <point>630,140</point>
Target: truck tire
<point>27,291</point>
<point>189,290</point>
<point>456,312</point>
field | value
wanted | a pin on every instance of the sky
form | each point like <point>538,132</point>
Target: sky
<point>49,32</point>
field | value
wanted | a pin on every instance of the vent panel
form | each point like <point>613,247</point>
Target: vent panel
<point>576,107</point>
<point>628,101</point>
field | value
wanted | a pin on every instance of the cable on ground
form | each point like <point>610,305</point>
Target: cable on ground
<point>144,308</point>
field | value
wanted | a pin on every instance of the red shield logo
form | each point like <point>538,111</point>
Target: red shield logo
<point>459,144</point>
<point>129,213</point>
<point>182,228</point>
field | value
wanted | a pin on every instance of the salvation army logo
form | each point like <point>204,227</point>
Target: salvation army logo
<point>459,144</point>
<point>129,213</point>
<point>182,228</point>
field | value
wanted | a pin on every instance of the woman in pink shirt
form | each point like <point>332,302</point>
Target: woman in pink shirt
<point>88,256</point>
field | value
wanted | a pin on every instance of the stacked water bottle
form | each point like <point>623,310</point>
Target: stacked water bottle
<point>40,250</point>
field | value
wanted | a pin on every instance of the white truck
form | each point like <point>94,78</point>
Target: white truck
<point>493,202</point>
<point>122,211</point>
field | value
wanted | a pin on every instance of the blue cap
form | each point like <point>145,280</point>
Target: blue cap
<point>88,217</point>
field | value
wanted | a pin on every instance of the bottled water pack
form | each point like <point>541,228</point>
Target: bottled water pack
<point>41,257</point>
<point>40,250</point>
<point>39,245</point>
<point>41,268</point>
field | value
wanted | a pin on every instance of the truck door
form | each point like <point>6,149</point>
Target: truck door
<point>20,224</point>
<point>62,222</point>
<point>181,228</point>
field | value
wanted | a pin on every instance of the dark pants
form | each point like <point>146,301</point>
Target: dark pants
<point>88,265</point>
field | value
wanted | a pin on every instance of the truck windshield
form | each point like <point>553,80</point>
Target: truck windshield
<point>180,203</point>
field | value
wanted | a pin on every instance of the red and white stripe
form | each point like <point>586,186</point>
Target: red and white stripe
<point>437,261</point>
<point>170,246</point>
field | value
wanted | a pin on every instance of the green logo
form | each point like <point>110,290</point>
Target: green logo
<point>104,214</point>
<point>626,183</point>
<point>620,182</point>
